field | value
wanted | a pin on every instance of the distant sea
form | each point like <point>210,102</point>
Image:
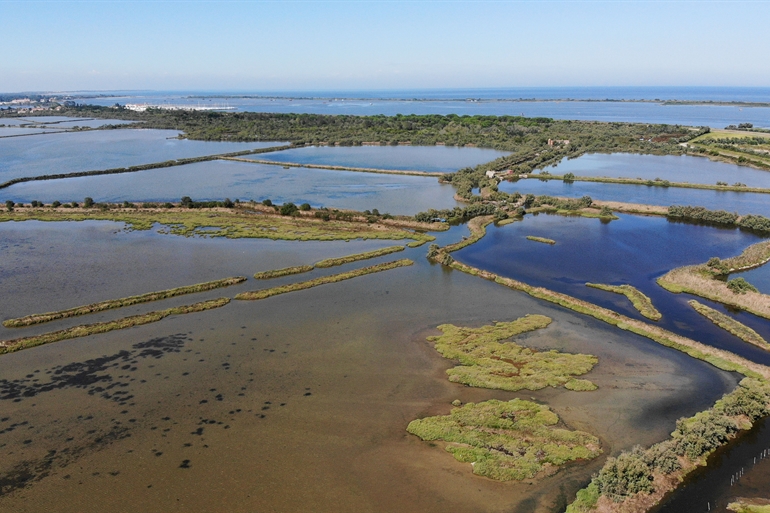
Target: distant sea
<point>584,103</point>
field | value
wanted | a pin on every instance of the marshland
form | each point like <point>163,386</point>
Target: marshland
<point>306,398</point>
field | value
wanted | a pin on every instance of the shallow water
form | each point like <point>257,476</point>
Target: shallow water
<point>16,131</point>
<point>216,180</point>
<point>741,202</point>
<point>410,158</point>
<point>633,250</point>
<point>101,149</point>
<point>294,403</point>
<point>672,168</point>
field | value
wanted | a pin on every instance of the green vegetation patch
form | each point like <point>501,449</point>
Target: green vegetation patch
<point>334,278</point>
<point>726,322</point>
<point>286,271</point>
<point>9,346</point>
<point>331,262</point>
<point>541,239</point>
<point>119,303</point>
<point>487,362</point>
<point>640,301</point>
<point>511,440</point>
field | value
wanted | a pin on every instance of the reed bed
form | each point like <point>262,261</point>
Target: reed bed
<point>334,278</point>
<point>111,304</point>
<point>286,271</point>
<point>726,322</point>
<point>640,301</point>
<point>9,346</point>
<point>331,262</point>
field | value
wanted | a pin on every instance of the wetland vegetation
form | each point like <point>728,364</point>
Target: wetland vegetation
<point>640,301</point>
<point>541,239</point>
<point>286,271</point>
<point>332,262</point>
<point>17,344</point>
<point>726,322</point>
<point>507,440</point>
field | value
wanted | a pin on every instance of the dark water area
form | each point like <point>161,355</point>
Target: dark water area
<point>633,250</point>
<point>441,159</point>
<point>740,202</point>
<point>216,180</point>
<point>94,150</point>
<point>672,168</point>
<point>295,403</point>
<point>759,277</point>
<point>740,470</point>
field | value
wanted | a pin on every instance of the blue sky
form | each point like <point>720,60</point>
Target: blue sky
<point>315,45</point>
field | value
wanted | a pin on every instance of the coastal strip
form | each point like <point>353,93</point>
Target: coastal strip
<point>337,168</point>
<point>29,320</point>
<point>640,301</point>
<point>286,271</point>
<point>726,322</point>
<point>541,239</point>
<point>9,346</point>
<point>331,262</point>
<point>334,278</point>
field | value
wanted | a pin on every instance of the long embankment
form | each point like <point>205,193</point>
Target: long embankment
<point>650,183</point>
<point>332,262</point>
<point>29,320</point>
<point>234,223</point>
<point>143,167</point>
<point>700,281</point>
<point>337,168</point>
<point>285,271</point>
<point>640,300</point>
<point>9,346</point>
<point>334,278</point>
<point>727,323</point>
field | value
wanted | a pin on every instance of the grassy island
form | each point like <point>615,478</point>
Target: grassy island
<point>541,239</point>
<point>9,346</point>
<point>704,280</point>
<point>334,278</point>
<point>286,271</point>
<point>331,262</point>
<point>244,221</point>
<point>488,362</point>
<point>640,301</point>
<point>511,440</point>
<point>726,322</point>
<point>119,303</point>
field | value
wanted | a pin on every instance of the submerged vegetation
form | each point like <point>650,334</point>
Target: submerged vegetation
<point>29,320</point>
<point>708,280</point>
<point>286,271</point>
<point>331,262</point>
<point>726,322</point>
<point>487,361</point>
<point>334,278</point>
<point>8,346</point>
<point>640,300</point>
<point>511,440</point>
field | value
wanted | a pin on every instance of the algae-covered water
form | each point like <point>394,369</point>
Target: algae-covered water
<point>294,403</point>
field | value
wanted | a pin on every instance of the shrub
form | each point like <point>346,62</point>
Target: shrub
<point>625,475</point>
<point>74,204</point>
<point>56,204</point>
<point>288,209</point>
<point>740,286</point>
<point>88,202</point>
<point>228,203</point>
<point>9,205</point>
<point>267,203</point>
<point>305,207</point>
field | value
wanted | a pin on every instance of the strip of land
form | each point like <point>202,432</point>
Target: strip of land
<point>726,322</point>
<point>29,320</point>
<point>286,271</point>
<point>331,262</point>
<point>9,346</point>
<point>336,168</point>
<point>651,183</point>
<point>334,278</point>
<point>640,301</point>
<point>541,239</point>
<point>700,280</point>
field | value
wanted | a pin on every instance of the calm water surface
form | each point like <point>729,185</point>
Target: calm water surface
<point>411,158</point>
<point>217,180</point>
<point>295,403</point>
<point>741,202</point>
<point>94,150</point>
<point>672,168</point>
<point>635,250</point>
